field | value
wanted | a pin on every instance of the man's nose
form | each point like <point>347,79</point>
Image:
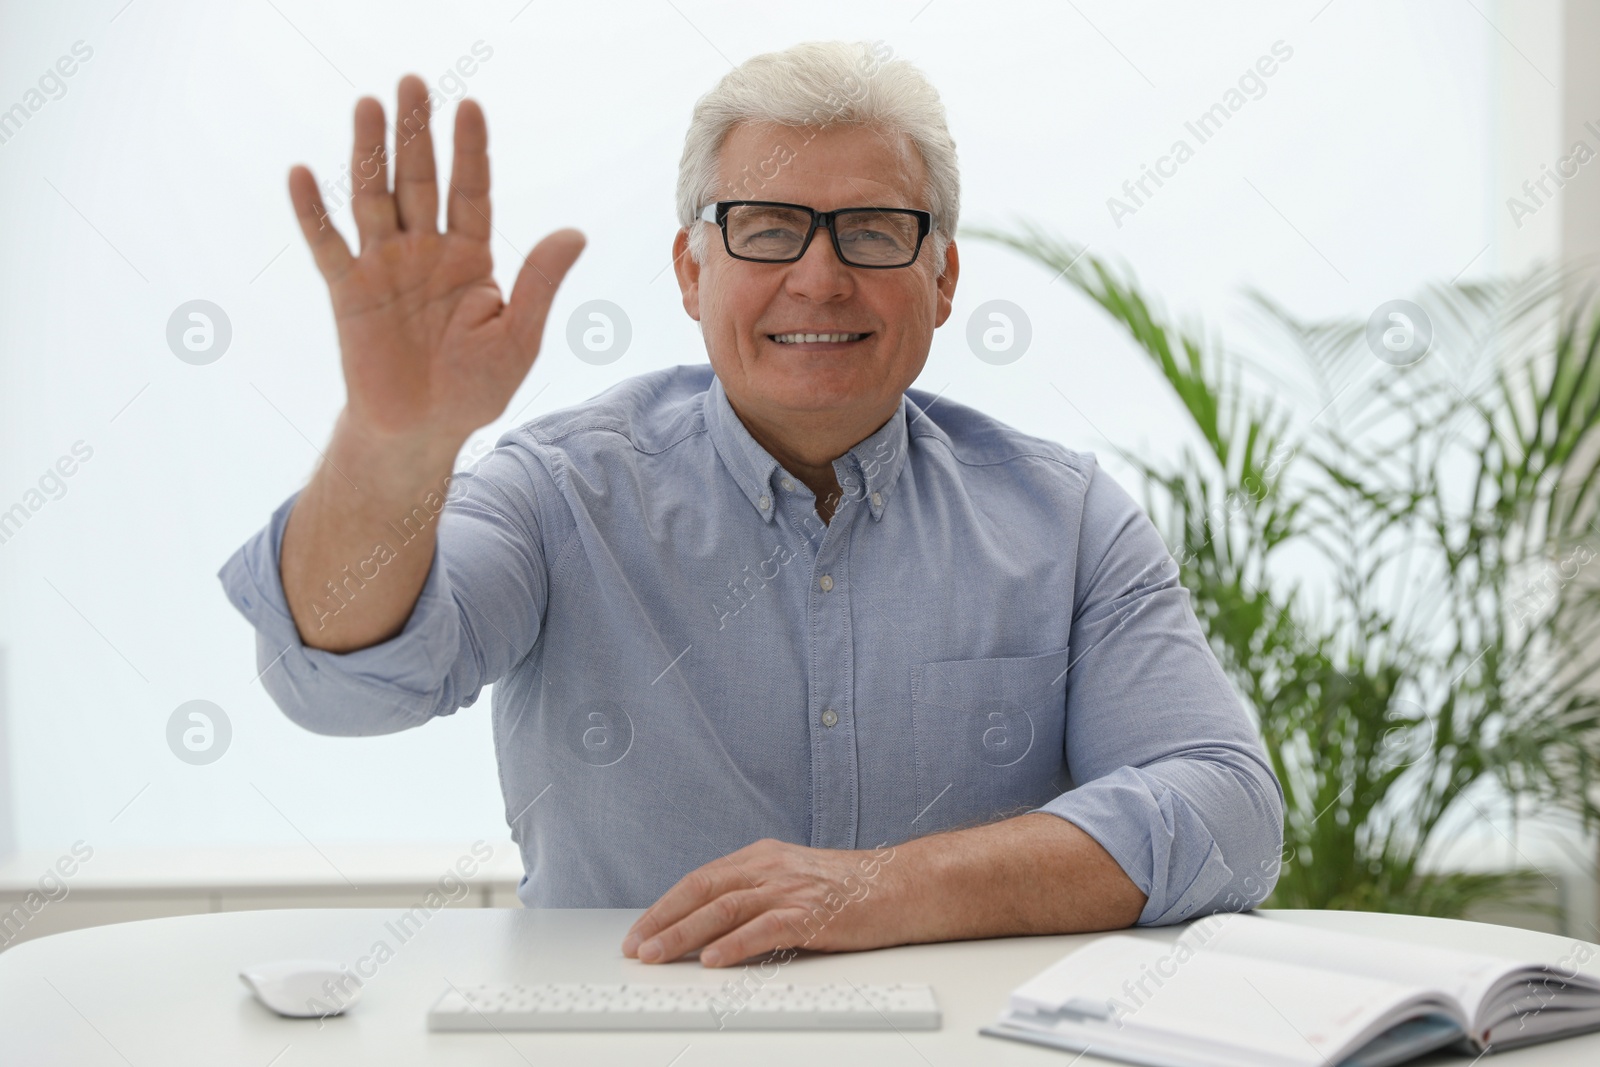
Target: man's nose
<point>820,274</point>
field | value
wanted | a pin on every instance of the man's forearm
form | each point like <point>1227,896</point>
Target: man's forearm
<point>1033,874</point>
<point>369,507</point>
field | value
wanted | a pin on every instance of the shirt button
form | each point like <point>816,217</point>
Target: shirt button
<point>788,486</point>
<point>764,503</point>
<point>830,717</point>
<point>877,500</point>
<point>826,581</point>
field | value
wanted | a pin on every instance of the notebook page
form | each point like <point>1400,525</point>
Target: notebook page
<point>1466,977</point>
<point>1141,995</point>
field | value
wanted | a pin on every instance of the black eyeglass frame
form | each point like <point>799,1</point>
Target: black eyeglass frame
<point>717,214</point>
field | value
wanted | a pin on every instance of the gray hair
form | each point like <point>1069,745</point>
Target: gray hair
<point>819,83</point>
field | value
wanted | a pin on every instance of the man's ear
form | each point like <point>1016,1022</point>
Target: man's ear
<point>688,272</point>
<point>946,283</point>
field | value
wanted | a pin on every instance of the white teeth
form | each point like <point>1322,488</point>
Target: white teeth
<point>811,338</point>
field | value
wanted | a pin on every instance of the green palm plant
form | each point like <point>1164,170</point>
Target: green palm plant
<point>1395,579</point>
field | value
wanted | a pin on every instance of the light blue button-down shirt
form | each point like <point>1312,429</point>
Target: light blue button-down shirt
<point>686,659</point>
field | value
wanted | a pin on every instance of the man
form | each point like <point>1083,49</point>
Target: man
<point>790,654</point>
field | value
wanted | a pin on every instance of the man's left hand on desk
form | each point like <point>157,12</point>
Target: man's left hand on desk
<point>772,895</point>
<point>1031,874</point>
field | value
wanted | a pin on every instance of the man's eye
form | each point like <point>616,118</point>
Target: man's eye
<point>871,237</point>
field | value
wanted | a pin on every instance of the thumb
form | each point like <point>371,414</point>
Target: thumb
<point>537,281</point>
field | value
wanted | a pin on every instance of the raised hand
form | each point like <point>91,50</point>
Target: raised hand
<point>429,348</point>
<point>430,353</point>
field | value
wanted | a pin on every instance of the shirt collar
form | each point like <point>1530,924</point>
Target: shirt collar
<point>867,472</point>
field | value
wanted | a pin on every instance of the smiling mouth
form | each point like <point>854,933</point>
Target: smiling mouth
<point>816,338</point>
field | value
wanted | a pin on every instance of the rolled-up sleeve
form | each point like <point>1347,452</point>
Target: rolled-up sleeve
<point>479,612</point>
<point>1170,774</point>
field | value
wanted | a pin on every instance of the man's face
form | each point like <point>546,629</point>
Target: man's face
<point>742,306</point>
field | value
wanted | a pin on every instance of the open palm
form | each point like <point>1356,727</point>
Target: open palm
<point>428,346</point>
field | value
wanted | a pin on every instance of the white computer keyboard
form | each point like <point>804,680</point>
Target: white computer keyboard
<point>773,1006</point>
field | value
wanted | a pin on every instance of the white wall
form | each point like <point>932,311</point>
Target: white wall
<point>1370,165</point>
<point>8,818</point>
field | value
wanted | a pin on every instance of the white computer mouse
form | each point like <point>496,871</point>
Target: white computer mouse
<point>302,989</point>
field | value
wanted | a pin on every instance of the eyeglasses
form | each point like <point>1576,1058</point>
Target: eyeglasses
<point>766,232</point>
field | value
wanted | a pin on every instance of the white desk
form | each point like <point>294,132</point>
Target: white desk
<point>166,992</point>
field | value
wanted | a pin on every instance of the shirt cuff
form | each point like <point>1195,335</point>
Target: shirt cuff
<point>379,689</point>
<point>1158,839</point>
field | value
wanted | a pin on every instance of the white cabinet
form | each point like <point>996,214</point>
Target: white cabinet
<point>110,886</point>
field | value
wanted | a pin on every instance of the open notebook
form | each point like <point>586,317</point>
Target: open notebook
<point>1249,991</point>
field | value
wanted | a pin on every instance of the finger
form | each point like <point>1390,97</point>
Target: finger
<point>536,284</point>
<point>467,212</point>
<point>723,915</point>
<point>416,182</point>
<point>691,891</point>
<point>327,244</point>
<point>770,931</point>
<point>694,890</point>
<point>372,202</point>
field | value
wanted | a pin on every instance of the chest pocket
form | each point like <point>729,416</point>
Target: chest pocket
<point>987,736</point>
